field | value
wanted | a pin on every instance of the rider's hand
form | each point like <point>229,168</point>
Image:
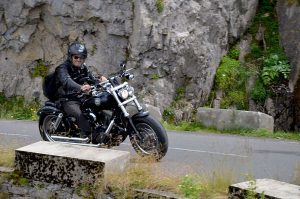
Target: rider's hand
<point>86,88</point>
<point>102,78</point>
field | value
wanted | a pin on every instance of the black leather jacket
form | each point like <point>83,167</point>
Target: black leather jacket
<point>69,79</point>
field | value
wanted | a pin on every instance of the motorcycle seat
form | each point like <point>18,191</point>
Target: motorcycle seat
<point>49,103</point>
<point>56,104</point>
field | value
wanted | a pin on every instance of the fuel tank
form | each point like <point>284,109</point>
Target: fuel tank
<point>104,101</point>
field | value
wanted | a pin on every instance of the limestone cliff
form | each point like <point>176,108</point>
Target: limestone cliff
<point>180,47</point>
<point>289,29</point>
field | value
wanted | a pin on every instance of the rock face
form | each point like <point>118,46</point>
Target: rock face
<point>180,47</point>
<point>289,26</point>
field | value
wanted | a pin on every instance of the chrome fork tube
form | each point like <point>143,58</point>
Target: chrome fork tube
<point>109,127</point>
<point>58,120</point>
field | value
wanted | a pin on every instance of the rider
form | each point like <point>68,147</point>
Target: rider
<point>70,84</point>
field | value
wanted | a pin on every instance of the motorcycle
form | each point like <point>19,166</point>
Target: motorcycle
<point>114,114</point>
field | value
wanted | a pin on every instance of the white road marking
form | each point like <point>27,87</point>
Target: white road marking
<point>199,151</point>
<point>209,152</point>
<point>11,134</point>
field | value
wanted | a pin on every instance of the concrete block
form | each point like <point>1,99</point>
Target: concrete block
<point>233,119</point>
<point>269,188</point>
<point>68,164</point>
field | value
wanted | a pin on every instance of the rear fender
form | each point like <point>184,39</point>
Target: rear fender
<point>48,110</point>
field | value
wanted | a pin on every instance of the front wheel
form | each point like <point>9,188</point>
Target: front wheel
<point>152,139</point>
<point>47,127</point>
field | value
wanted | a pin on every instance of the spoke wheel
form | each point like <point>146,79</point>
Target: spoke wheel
<point>151,138</point>
<point>48,128</point>
<point>147,141</point>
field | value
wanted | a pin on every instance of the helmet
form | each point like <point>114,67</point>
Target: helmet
<point>77,48</point>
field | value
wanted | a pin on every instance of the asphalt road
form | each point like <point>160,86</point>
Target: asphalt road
<point>206,154</point>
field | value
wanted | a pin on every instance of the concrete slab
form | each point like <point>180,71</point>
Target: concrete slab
<point>68,164</point>
<point>270,188</point>
<point>234,119</point>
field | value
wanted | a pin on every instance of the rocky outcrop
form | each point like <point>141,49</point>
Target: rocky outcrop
<point>289,26</point>
<point>179,47</point>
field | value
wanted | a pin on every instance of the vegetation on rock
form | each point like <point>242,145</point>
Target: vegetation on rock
<point>40,69</point>
<point>160,5</point>
<point>266,60</point>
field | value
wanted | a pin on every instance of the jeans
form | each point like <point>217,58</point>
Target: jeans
<point>72,108</point>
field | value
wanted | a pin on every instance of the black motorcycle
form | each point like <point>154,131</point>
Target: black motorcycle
<point>114,113</point>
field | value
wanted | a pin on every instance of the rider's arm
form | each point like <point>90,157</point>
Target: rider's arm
<point>66,81</point>
<point>93,78</point>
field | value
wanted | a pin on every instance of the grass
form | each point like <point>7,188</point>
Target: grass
<point>16,108</point>
<point>197,127</point>
<point>7,157</point>
<point>145,174</point>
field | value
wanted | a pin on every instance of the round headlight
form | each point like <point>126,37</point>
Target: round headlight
<point>123,93</point>
<point>130,91</point>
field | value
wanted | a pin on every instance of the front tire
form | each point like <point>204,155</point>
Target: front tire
<point>152,139</point>
<point>47,127</point>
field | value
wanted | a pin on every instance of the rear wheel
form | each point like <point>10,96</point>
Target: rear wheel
<point>48,129</point>
<point>152,139</point>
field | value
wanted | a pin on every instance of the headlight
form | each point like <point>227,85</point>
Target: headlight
<point>123,93</point>
<point>130,91</point>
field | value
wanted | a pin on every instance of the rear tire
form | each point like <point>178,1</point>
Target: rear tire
<point>47,129</point>
<point>152,140</point>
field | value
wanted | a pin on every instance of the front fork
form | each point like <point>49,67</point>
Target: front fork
<point>58,120</point>
<point>130,119</point>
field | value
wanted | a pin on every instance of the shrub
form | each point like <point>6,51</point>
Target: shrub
<point>237,99</point>
<point>160,5</point>
<point>274,69</point>
<point>234,53</point>
<point>231,78</point>
<point>228,74</point>
<point>169,115</point>
<point>40,69</point>
<point>190,187</point>
<point>259,92</point>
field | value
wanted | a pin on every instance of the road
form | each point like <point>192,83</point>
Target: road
<point>232,157</point>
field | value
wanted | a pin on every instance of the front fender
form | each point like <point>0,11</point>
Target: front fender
<point>140,114</point>
<point>47,110</point>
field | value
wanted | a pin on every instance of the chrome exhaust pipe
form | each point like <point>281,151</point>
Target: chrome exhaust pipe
<point>75,139</point>
<point>82,144</point>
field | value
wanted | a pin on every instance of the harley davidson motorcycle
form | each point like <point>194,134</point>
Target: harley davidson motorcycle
<point>114,114</point>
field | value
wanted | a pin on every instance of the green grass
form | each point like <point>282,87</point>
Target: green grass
<point>160,5</point>
<point>145,174</point>
<point>17,108</point>
<point>197,127</point>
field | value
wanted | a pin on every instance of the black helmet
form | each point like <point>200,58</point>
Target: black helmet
<point>77,48</point>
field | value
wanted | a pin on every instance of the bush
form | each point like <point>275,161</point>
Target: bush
<point>274,69</point>
<point>234,53</point>
<point>40,69</point>
<point>231,78</point>
<point>169,115</point>
<point>259,92</point>
<point>160,5</point>
<point>229,74</point>
<point>237,99</point>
